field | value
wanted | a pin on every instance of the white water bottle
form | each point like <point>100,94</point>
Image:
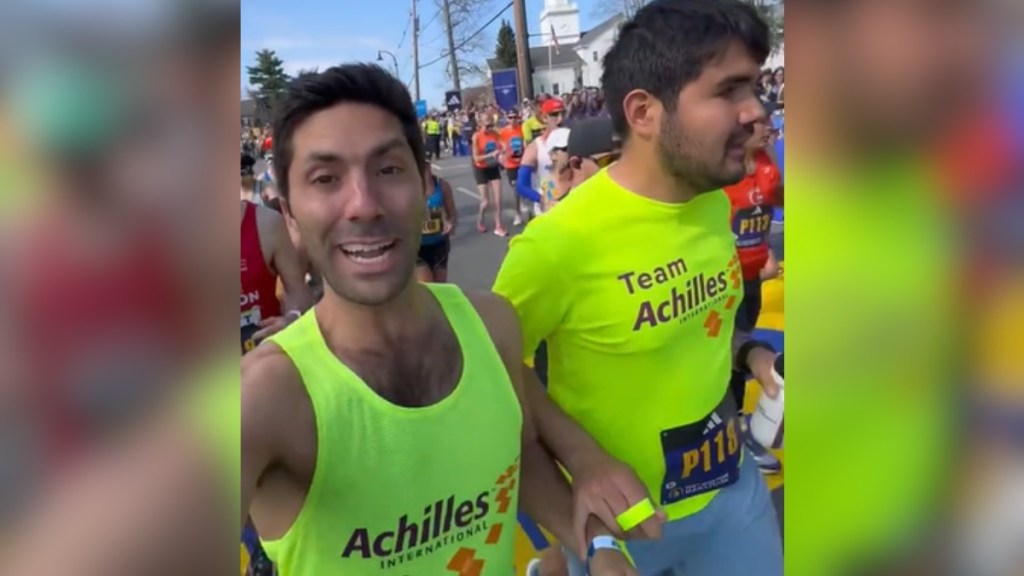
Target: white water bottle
<point>766,421</point>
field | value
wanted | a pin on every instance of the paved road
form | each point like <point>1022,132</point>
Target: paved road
<point>476,257</point>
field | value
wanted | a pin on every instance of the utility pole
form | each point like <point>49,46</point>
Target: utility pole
<point>525,67</point>
<point>453,61</point>
<point>415,48</point>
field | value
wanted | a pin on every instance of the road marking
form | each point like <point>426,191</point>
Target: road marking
<point>436,166</point>
<point>473,195</point>
<point>457,168</point>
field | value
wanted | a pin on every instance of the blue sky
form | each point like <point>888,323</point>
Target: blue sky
<point>321,33</point>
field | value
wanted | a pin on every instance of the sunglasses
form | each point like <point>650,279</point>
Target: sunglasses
<point>602,161</point>
<point>557,114</point>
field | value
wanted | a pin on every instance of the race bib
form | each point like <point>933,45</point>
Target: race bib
<point>250,325</point>
<point>432,226</point>
<point>489,148</point>
<point>752,225</point>
<point>702,456</point>
<point>516,144</point>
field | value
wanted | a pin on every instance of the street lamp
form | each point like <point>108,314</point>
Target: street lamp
<point>380,58</point>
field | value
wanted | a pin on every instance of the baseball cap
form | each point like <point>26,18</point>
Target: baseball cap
<point>592,137</point>
<point>559,138</point>
<point>552,105</point>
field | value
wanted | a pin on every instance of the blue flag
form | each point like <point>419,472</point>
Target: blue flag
<point>506,88</point>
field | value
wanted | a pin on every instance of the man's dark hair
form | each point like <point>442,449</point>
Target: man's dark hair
<point>315,91</point>
<point>668,43</point>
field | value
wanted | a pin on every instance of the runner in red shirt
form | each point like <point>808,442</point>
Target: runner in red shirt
<point>267,253</point>
<point>753,200</point>
<point>268,143</point>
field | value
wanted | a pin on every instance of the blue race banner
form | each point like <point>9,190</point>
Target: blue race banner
<point>421,109</point>
<point>506,88</point>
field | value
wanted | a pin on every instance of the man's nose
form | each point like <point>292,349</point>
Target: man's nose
<point>752,111</point>
<point>361,202</point>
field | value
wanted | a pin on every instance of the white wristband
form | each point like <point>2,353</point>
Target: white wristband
<point>602,543</point>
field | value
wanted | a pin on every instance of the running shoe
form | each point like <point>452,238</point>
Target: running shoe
<point>533,568</point>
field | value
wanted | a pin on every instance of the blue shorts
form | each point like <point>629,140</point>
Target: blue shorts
<point>737,534</point>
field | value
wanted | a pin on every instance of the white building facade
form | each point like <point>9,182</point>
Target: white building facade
<point>575,60</point>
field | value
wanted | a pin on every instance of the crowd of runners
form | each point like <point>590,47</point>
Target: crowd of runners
<point>392,363</point>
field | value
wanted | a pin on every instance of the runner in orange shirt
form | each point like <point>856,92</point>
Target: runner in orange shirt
<point>513,145</point>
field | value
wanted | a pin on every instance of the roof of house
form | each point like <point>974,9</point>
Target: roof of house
<point>601,28</point>
<point>565,56</point>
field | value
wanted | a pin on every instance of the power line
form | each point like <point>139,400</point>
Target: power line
<point>470,38</point>
<point>431,21</point>
<point>405,32</point>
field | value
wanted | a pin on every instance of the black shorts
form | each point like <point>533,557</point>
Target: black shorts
<point>485,175</point>
<point>435,256</point>
<point>513,175</point>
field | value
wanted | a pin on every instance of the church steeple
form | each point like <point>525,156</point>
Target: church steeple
<point>564,17</point>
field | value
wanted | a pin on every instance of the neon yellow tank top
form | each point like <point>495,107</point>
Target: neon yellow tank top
<point>400,491</point>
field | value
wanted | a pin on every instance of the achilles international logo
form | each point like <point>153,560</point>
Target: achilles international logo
<point>691,295</point>
<point>454,526</point>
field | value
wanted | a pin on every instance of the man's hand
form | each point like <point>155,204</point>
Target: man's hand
<point>761,363</point>
<point>449,229</point>
<point>271,326</point>
<point>605,488</point>
<point>771,269</point>
<point>610,562</point>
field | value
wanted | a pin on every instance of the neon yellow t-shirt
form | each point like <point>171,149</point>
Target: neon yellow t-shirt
<point>636,300</point>
<point>532,128</point>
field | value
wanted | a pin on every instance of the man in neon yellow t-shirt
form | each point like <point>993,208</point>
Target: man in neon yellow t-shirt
<point>633,281</point>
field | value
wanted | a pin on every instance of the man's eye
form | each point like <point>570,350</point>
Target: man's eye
<point>324,179</point>
<point>391,170</point>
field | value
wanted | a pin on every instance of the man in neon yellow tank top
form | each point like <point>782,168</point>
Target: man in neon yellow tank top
<point>382,432</point>
<point>633,281</point>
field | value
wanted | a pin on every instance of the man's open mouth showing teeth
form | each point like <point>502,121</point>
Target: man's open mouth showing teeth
<point>368,252</point>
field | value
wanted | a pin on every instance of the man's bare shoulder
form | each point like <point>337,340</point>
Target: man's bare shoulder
<point>268,221</point>
<point>271,385</point>
<point>500,319</point>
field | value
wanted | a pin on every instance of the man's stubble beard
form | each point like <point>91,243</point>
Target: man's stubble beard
<point>676,152</point>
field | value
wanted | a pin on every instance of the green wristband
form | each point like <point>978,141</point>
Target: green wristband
<point>636,515</point>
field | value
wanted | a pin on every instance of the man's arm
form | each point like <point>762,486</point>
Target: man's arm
<point>290,267</point>
<point>532,279</point>
<point>545,493</point>
<point>269,383</point>
<point>524,178</point>
<point>450,209</point>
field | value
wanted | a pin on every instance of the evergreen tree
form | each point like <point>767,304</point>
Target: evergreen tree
<point>268,80</point>
<point>505,50</point>
<point>771,11</point>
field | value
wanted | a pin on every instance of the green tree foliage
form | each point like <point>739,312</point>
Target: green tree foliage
<point>505,49</point>
<point>268,79</point>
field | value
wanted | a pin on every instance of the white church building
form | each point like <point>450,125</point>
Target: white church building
<point>574,60</point>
